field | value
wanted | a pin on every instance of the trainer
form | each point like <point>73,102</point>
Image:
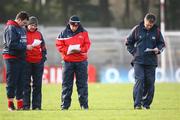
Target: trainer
<point>73,44</point>
<point>145,42</point>
<point>14,52</point>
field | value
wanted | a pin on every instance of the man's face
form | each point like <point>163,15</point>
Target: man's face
<point>22,22</point>
<point>74,26</point>
<point>148,24</point>
<point>32,27</point>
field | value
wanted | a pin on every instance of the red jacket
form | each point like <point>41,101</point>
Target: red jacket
<point>67,37</point>
<point>36,54</point>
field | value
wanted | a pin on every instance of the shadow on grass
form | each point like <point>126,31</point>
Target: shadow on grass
<point>113,109</point>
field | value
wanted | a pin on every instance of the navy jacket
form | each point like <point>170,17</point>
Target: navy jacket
<point>139,39</point>
<point>14,40</point>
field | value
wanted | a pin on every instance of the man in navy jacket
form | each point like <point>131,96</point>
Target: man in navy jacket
<point>14,49</point>
<point>145,42</point>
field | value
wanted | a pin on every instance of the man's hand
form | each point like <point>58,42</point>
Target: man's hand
<point>29,47</point>
<point>75,51</point>
<point>156,50</point>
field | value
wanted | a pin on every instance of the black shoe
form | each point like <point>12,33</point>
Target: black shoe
<point>137,107</point>
<point>84,107</point>
<point>11,107</point>
<point>146,107</point>
<point>63,108</point>
<point>26,108</point>
<point>36,108</point>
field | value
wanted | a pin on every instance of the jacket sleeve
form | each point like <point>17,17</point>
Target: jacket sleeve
<point>11,37</point>
<point>86,45</point>
<point>43,48</point>
<point>60,45</point>
<point>131,40</point>
<point>160,42</point>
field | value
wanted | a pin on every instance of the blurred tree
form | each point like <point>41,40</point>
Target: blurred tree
<point>143,5</point>
<point>82,8</point>
<point>64,7</point>
<point>172,14</point>
<point>35,7</point>
<point>104,17</point>
<point>53,12</point>
<point>9,9</point>
<point>126,14</point>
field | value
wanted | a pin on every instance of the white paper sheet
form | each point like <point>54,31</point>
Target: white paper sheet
<point>36,42</point>
<point>149,50</point>
<point>73,47</point>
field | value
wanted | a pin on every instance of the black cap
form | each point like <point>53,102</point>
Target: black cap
<point>74,19</point>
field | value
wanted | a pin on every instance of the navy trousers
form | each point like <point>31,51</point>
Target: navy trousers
<point>79,70</point>
<point>33,85</point>
<point>143,91</point>
<point>15,69</point>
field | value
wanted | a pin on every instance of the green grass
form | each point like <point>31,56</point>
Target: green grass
<point>106,101</point>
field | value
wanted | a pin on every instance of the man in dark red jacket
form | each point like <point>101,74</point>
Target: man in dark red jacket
<point>14,49</point>
<point>35,59</point>
<point>73,44</point>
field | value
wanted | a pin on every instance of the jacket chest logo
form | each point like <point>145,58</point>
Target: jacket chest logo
<point>153,37</point>
<point>80,36</point>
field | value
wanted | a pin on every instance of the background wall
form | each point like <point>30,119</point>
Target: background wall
<point>108,23</point>
<point>108,55</point>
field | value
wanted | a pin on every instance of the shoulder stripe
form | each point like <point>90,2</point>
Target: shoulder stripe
<point>74,21</point>
<point>64,38</point>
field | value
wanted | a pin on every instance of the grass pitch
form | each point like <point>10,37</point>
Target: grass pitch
<point>106,102</point>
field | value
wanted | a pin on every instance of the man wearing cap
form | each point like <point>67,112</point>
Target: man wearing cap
<point>145,42</point>
<point>73,44</point>
<point>35,59</point>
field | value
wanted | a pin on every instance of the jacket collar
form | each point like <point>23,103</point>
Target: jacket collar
<point>12,22</point>
<point>141,24</point>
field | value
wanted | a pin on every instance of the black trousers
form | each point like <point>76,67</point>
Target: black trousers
<point>143,91</point>
<point>33,85</point>
<point>15,69</point>
<point>79,70</point>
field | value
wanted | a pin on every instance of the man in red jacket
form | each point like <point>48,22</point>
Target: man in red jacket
<point>35,59</point>
<point>73,44</point>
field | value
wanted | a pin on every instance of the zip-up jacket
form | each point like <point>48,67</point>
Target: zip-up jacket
<point>38,53</point>
<point>67,38</point>
<point>14,41</point>
<point>140,39</point>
